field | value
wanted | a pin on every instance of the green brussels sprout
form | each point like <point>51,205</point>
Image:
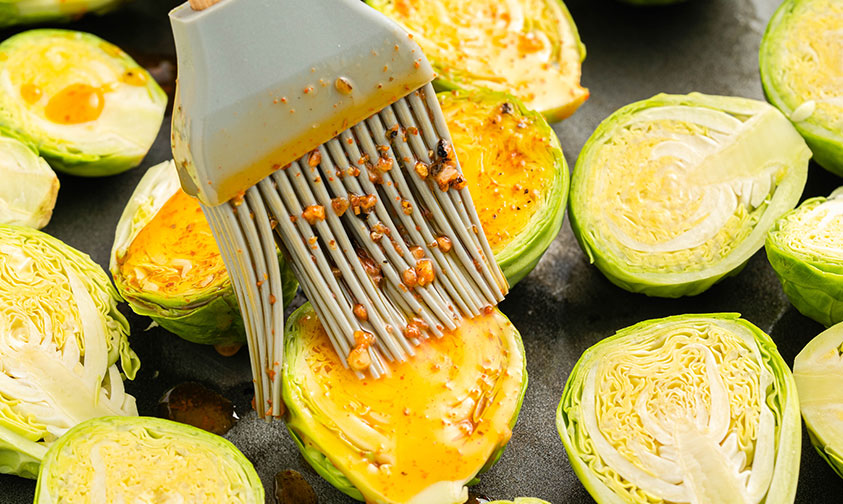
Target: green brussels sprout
<point>689,408</point>
<point>30,187</point>
<point>673,193</point>
<point>168,267</point>
<point>141,459</point>
<point>516,173</point>
<point>84,103</point>
<point>61,336</point>
<point>530,48</point>
<point>13,12</point>
<point>801,73</point>
<point>818,371</point>
<point>805,248</point>
<point>460,397</point>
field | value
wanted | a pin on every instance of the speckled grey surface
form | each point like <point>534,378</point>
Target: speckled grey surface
<point>562,308</point>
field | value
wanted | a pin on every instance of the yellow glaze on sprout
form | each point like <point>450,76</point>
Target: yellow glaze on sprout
<point>175,253</point>
<point>420,434</point>
<point>70,83</point>
<point>525,47</point>
<point>505,159</point>
<point>814,62</point>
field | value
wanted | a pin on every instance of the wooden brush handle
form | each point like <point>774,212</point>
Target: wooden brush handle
<point>202,4</point>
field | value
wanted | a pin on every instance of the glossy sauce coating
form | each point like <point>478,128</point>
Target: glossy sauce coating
<point>175,253</point>
<point>436,419</point>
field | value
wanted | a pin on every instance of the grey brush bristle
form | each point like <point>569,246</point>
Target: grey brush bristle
<point>325,255</point>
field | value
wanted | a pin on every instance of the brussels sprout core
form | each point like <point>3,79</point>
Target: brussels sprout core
<point>118,459</point>
<point>516,173</point>
<point>801,73</point>
<point>805,248</point>
<point>60,338</point>
<point>685,409</point>
<point>415,436</point>
<point>87,106</point>
<point>672,193</point>
<point>529,48</point>
<point>818,371</point>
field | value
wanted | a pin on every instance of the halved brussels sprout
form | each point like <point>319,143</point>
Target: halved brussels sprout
<point>87,106</point>
<point>29,188</point>
<point>805,248</point>
<point>141,459</point>
<point>14,12</point>
<point>673,193</point>
<point>529,48</point>
<point>684,409</point>
<point>166,263</point>
<point>415,436</point>
<point>818,371</point>
<point>60,338</point>
<point>801,73</point>
<point>516,173</point>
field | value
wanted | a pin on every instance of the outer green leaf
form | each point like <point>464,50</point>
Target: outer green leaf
<point>104,145</point>
<point>804,249</point>
<point>689,408</point>
<point>674,193</point>
<point>13,12</point>
<point>61,336</point>
<point>818,371</point>
<point>30,187</point>
<point>210,317</point>
<point>123,459</point>
<point>800,72</point>
<point>301,420</point>
<point>521,254</point>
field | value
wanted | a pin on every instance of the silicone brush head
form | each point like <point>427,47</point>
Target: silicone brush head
<point>375,217</point>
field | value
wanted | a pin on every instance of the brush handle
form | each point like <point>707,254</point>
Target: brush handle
<point>199,5</point>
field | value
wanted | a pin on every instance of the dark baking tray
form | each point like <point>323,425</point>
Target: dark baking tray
<point>562,308</point>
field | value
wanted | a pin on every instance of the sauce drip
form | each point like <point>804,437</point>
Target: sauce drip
<point>195,404</point>
<point>477,498</point>
<point>30,93</point>
<point>134,77</point>
<point>75,104</point>
<point>292,488</point>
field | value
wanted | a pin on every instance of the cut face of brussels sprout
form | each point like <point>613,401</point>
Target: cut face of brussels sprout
<point>14,12</point>
<point>805,248</point>
<point>673,193</point>
<point>516,173</point>
<point>166,263</point>
<point>529,48</point>
<point>29,188</point>
<point>60,338</point>
<point>119,459</point>
<point>818,371</point>
<point>802,74</point>
<point>421,433</point>
<point>87,106</point>
<point>685,409</point>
